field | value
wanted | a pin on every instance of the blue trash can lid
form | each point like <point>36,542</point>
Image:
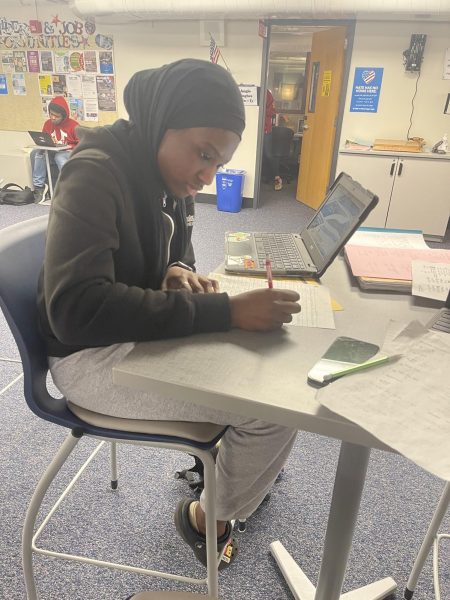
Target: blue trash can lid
<point>232,172</point>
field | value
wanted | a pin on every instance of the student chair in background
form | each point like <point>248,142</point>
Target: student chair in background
<point>281,149</point>
<point>21,257</point>
<point>432,538</point>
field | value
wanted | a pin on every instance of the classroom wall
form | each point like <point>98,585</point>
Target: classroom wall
<point>151,44</point>
<point>377,44</point>
<point>381,44</point>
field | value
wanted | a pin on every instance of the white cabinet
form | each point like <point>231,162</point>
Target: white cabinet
<point>414,191</point>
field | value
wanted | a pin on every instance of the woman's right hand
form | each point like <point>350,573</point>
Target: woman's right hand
<point>263,310</point>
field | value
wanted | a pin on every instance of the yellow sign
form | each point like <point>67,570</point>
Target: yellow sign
<point>326,83</point>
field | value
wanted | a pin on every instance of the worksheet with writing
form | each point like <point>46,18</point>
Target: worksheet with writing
<point>405,404</point>
<point>431,280</point>
<point>314,299</point>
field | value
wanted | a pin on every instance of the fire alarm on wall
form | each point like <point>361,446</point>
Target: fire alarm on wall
<point>413,56</point>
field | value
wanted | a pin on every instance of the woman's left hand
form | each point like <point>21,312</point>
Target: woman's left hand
<point>177,278</point>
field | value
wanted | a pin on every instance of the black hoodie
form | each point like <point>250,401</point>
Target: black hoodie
<point>108,242</point>
<point>98,285</point>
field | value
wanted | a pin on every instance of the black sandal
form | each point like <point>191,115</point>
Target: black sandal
<point>226,544</point>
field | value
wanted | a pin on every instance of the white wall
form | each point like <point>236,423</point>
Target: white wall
<point>151,44</point>
<point>381,44</point>
<point>377,44</point>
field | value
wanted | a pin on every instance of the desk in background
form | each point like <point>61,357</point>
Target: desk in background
<point>46,150</point>
<point>280,361</point>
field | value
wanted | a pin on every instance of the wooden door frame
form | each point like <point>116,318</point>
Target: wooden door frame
<point>350,25</point>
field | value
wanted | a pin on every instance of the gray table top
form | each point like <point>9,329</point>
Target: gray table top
<point>264,375</point>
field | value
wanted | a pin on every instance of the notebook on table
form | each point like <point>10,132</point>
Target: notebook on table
<point>42,138</point>
<point>441,320</point>
<point>311,251</point>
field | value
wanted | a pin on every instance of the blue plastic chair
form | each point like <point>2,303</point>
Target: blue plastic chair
<point>21,256</point>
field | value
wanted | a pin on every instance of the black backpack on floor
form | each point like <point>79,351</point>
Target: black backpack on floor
<point>16,195</point>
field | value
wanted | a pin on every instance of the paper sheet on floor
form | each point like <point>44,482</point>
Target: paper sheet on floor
<point>314,299</point>
<point>405,404</point>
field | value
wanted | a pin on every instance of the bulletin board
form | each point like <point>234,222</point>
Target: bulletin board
<point>43,59</point>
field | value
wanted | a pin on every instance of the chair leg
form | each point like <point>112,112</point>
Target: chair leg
<point>437,589</point>
<point>428,542</point>
<point>30,519</point>
<point>209,465</point>
<point>114,479</point>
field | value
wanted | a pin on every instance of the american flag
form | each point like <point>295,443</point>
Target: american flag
<point>214,52</point>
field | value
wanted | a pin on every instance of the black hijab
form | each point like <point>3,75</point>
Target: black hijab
<point>184,94</point>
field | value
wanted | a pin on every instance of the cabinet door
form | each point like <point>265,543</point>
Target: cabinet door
<point>375,173</point>
<point>421,196</point>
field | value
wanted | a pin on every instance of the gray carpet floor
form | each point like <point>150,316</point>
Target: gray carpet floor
<point>135,523</point>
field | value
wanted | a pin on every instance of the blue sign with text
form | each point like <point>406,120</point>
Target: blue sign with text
<point>3,85</point>
<point>366,89</point>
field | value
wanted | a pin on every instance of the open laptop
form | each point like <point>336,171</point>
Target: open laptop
<point>311,251</point>
<point>42,138</point>
<point>441,320</point>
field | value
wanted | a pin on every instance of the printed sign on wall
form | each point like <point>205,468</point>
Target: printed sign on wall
<point>366,89</point>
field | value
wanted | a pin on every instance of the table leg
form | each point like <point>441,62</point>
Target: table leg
<point>348,487</point>
<point>49,174</point>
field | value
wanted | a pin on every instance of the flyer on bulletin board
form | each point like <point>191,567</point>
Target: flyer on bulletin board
<point>3,85</point>
<point>45,85</point>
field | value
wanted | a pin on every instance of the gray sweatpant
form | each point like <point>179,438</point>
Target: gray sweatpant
<point>251,452</point>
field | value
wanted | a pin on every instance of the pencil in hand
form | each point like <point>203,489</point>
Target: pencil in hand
<point>268,265</point>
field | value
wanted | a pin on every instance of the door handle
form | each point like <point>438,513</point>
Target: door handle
<point>305,127</point>
<point>392,169</point>
<point>400,169</point>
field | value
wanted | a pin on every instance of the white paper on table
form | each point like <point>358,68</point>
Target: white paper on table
<point>405,404</point>
<point>314,299</point>
<point>387,239</point>
<point>431,280</point>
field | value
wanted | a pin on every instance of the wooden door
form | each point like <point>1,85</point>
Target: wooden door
<point>321,110</point>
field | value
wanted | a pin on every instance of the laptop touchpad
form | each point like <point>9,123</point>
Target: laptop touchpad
<point>241,248</point>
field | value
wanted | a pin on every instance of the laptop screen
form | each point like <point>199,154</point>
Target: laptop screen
<point>344,208</point>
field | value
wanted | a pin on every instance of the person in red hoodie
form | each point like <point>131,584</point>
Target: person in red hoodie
<point>62,130</point>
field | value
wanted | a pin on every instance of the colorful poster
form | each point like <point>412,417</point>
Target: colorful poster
<point>3,85</point>
<point>46,61</point>
<point>106,62</point>
<point>18,84</point>
<point>8,62</point>
<point>104,41</point>
<point>62,62</point>
<point>74,88</point>
<point>45,101</point>
<point>90,109</point>
<point>76,62</point>
<point>45,85</point>
<point>20,61</point>
<point>59,85</point>
<point>89,86</point>
<point>106,93</point>
<point>76,109</point>
<point>366,89</point>
<point>90,61</point>
<point>33,61</point>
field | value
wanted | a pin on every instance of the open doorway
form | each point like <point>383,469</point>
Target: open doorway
<point>307,70</point>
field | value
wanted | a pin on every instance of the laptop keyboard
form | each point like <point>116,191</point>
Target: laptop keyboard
<point>443,322</point>
<point>281,249</point>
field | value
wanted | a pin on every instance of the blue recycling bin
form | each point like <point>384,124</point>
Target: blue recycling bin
<point>229,185</point>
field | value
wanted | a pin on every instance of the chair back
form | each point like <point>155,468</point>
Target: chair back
<point>281,141</point>
<point>22,249</point>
